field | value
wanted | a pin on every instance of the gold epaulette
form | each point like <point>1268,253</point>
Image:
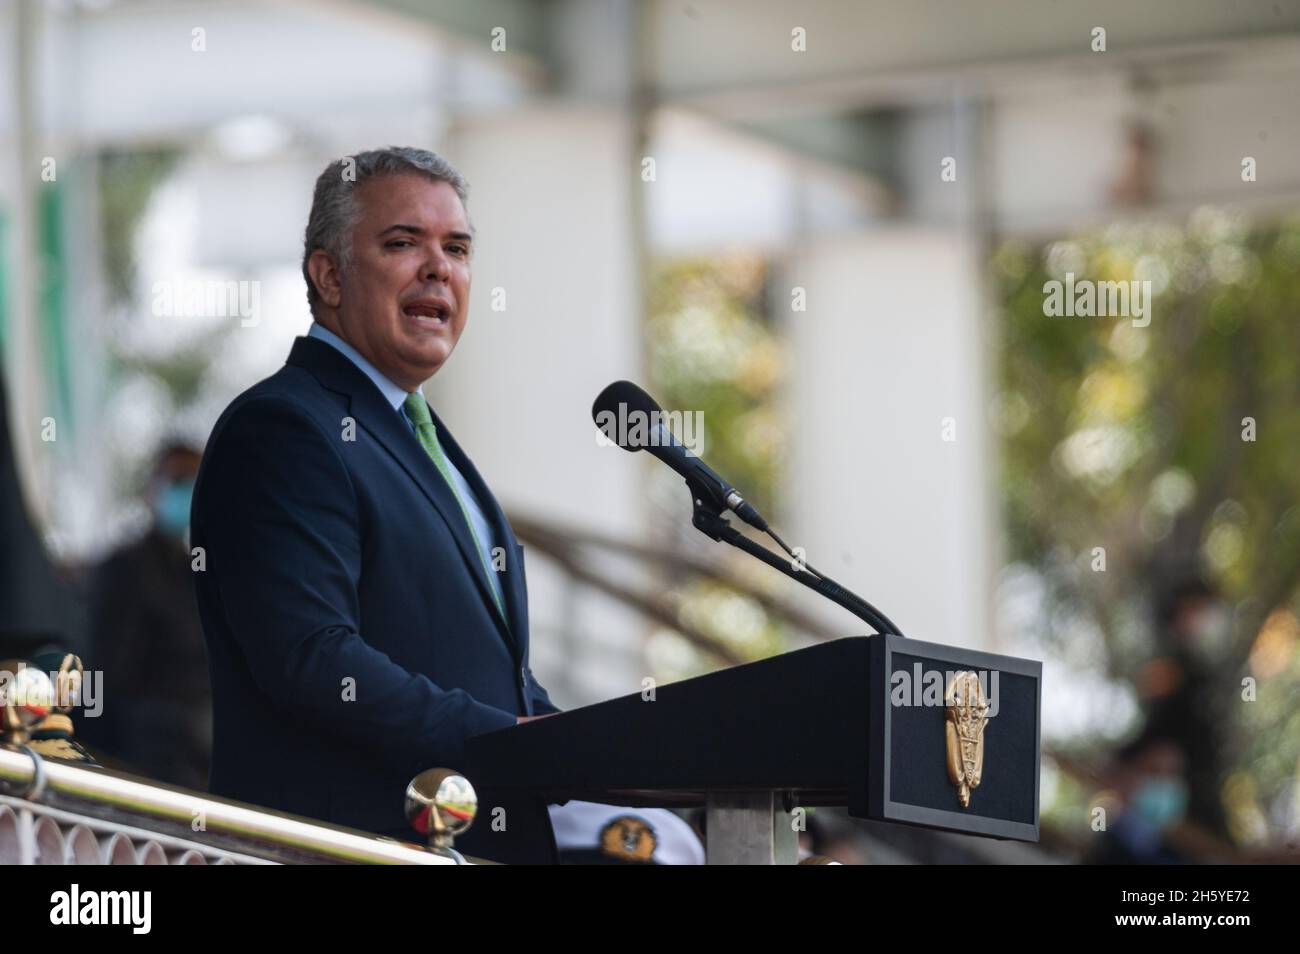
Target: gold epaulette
<point>52,737</point>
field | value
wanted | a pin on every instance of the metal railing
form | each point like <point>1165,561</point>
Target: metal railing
<point>57,812</point>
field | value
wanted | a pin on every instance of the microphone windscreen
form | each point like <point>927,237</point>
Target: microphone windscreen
<point>612,407</point>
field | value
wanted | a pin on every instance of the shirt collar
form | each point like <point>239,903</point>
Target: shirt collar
<point>394,394</point>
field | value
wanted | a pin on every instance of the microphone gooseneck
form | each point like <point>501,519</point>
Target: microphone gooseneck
<point>630,418</point>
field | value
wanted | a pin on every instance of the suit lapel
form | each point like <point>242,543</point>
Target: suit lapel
<point>513,583</point>
<point>368,406</point>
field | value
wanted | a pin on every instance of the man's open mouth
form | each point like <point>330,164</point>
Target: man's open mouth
<point>428,309</point>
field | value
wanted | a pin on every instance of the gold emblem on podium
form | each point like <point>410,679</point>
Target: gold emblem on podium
<point>966,714</point>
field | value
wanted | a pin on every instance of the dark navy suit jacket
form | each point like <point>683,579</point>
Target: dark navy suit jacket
<point>352,636</point>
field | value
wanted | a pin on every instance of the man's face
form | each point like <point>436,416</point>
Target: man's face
<point>404,297</point>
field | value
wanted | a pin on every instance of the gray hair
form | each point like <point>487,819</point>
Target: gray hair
<point>335,210</point>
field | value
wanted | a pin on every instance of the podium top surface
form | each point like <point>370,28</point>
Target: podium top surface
<point>861,722</point>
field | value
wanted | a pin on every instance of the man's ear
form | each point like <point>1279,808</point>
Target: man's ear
<point>325,275</point>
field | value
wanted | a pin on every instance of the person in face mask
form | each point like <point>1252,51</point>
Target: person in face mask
<point>171,497</point>
<point>1185,695</point>
<point>1148,799</point>
<point>147,641</point>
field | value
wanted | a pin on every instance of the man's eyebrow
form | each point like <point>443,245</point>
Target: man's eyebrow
<point>417,230</point>
<point>413,229</point>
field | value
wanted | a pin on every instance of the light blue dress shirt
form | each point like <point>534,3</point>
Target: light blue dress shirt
<point>396,396</point>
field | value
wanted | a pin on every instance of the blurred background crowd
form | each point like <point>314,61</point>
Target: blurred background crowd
<point>826,227</point>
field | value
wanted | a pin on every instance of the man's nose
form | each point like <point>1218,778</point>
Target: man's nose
<point>437,268</point>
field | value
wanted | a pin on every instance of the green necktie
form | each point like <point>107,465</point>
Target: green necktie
<point>417,411</point>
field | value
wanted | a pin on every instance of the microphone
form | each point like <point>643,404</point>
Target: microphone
<point>612,411</point>
<point>630,418</point>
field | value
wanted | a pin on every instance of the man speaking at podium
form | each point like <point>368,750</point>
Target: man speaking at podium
<point>361,592</point>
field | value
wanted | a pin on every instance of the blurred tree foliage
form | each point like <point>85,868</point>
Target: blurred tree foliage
<point>712,349</point>
<point>179,364</point>
<point>127,180</point>
<point>1170,446</point>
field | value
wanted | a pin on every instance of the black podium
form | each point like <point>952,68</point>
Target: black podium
<point>893,728</point>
